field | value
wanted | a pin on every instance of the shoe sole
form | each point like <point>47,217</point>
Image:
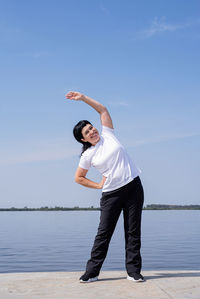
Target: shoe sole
<point>135,280</point>
<point>89,280</point>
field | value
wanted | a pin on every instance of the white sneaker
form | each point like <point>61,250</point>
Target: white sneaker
<point>88,278</point>
<point>136,277</point>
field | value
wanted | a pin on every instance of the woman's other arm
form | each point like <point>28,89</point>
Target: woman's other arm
<point>101,109</point>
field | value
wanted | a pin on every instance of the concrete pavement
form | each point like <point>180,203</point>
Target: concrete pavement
<point>111,285</point>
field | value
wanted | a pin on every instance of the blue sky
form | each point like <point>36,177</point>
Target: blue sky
<point>139,58</point>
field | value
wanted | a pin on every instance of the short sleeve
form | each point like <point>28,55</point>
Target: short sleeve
<point>107,131</point>
<point>85,162</point>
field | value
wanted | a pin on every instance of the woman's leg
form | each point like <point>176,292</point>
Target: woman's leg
<point>132,210</point>
<point>110,211</point>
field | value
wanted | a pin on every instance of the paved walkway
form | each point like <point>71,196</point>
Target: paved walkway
<point>111,285</point>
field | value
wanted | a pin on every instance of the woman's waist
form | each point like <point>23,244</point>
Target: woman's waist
<point>120,185</point>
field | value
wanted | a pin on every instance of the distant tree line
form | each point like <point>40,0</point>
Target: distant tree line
<point>56,208</point>
<point>77,208</point>
<point>172,207</point>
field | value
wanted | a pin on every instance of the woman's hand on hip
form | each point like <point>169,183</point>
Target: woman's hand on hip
<point>75,95</point>
<point>102,182</point>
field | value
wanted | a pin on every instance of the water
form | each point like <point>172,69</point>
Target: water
<point>62,240</point>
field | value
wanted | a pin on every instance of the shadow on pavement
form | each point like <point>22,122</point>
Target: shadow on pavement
<point>158,275</point>
<point>172,274</point>
<point>112,278</point>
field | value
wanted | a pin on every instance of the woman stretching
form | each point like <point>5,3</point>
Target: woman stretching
<point>121,190</point>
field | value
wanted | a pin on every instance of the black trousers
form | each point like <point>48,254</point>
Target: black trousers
<point>130,199</point>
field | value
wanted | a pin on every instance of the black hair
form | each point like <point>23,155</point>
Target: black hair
<point>77,131</point>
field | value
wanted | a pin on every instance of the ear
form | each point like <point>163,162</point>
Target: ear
<point>83,140</point>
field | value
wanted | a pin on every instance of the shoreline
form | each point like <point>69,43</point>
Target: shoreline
<point>152,207</point>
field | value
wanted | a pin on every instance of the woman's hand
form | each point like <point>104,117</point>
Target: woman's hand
<point>102,182</point>
<point>75,95</point>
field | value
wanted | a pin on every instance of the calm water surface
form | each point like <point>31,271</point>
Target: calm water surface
<point>62,240</point>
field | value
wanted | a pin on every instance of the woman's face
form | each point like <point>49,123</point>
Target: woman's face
<point>90,134</point>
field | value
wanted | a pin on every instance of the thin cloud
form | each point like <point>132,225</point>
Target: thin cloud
<point>159,139</point>
<point>49,150</point>
<point>160,25</point>
<point>104,10</point>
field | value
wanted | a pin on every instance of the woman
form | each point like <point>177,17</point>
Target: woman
<point>121,190</point>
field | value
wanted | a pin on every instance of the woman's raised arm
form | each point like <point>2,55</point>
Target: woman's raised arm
<point>101,109</point>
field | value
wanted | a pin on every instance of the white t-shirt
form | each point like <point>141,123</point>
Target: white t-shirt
<point>111,159</point>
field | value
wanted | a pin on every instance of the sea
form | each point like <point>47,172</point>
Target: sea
<point>43,241</point>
